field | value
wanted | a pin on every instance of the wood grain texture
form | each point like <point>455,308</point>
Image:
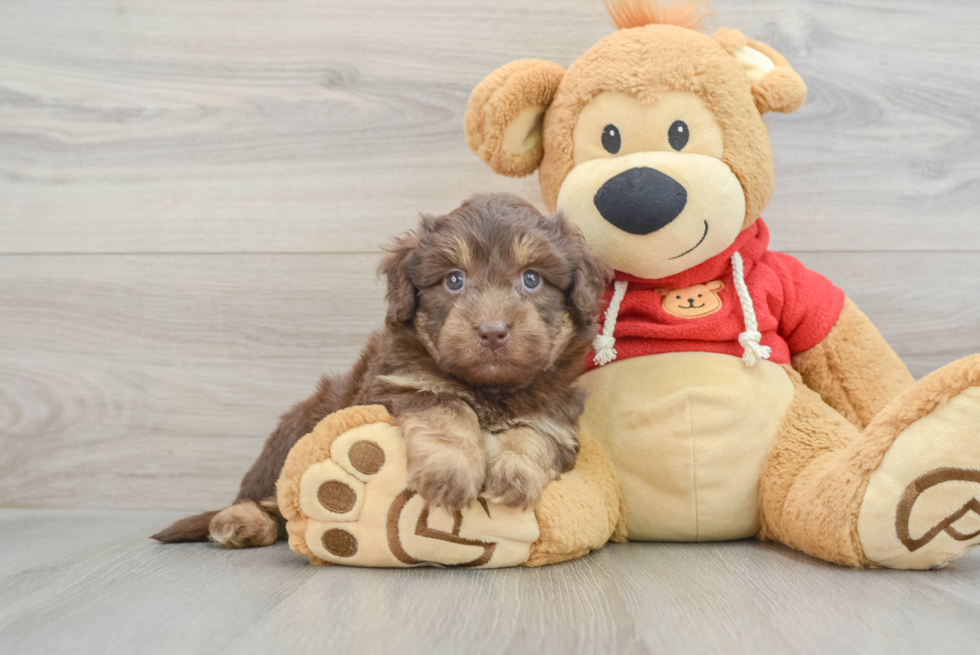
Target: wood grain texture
<point>151,381</point>
<point>192,196</point>
<point>249,126</point>
<point>93,583</point>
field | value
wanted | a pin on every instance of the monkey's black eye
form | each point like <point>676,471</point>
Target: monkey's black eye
<point>455,280</point>
<point>678,297</point>
<point>611,139</point>
<point>678,134</point>
<point>531,280</point>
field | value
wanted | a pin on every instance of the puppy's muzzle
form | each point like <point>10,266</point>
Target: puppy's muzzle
<point>641,200</point>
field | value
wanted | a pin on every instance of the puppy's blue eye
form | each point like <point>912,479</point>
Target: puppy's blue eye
<point>531,280</point>
<point>455,280</point>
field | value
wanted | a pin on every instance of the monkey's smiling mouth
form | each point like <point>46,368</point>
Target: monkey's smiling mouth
<point>691,306</point>
<point>703,236</point>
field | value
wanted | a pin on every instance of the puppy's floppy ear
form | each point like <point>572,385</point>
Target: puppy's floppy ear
<point>505,115</point>
<point>401,294</point>
<point>590,274</point>
<point>775,85</point>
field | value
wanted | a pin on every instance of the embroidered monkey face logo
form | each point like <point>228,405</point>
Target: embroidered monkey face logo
<point>694,301</point>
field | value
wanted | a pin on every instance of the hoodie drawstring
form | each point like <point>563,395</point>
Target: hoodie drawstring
<point>751,339</point>
<point>604,344</point>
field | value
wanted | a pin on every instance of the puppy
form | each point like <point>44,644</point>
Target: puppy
<point>491,310</point>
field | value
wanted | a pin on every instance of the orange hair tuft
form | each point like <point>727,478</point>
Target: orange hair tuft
<point>637,13</point>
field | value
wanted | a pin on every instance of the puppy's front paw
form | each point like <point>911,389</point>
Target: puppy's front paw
<point>244,525</point>
<point>513,480</point>
<point>448,477</point>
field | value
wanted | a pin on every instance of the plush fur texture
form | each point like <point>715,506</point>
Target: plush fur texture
<point>816,476</point>
<point>683,60</point>
<point>637,13</point>
<point>853,396</point>
<point>498,101</point>
<point>578,513</point>
<point>854,369</point>
<point>472,415</point>
<point>582,511</point>
<point>811,434</point>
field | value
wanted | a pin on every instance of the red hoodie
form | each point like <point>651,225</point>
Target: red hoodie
<point>699,310</point>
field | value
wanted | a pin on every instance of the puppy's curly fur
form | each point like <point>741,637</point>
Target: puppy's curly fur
<point>491,310</point>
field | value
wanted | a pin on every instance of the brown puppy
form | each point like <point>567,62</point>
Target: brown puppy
<point>491,310</point>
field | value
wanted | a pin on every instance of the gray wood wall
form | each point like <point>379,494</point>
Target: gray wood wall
<point>193,194</point>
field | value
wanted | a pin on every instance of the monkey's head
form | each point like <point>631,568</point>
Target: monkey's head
<point>652,141</point>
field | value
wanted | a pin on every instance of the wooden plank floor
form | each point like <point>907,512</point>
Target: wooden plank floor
<point>91,582</point>
<point>192,197</point>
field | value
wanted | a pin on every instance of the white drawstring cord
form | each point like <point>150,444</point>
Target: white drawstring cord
<point>604,344</point>
<point>751,339</point>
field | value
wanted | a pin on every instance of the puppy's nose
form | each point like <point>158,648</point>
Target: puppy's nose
<point>493,335</point>
<point>641,200</point>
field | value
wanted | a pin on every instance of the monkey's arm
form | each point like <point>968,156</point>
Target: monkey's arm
<point>854,369</point>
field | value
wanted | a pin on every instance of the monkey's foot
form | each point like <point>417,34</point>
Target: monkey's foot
<point>343,492</point>
<point>922,505</point>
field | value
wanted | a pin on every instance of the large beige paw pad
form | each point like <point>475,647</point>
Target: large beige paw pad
<point>922,506</point>
<point>344,493</point>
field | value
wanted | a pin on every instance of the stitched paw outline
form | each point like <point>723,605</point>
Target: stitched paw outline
<point>920,486</point>
<point>423,529</point>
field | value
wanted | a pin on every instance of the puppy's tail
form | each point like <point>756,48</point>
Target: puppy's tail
<point>193,528</point>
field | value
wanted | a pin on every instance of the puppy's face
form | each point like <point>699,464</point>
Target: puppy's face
<point>496,292</point>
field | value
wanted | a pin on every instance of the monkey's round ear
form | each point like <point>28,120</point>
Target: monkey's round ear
<point>775,85</point>
<point>505,115</point>
<point>715,285</point>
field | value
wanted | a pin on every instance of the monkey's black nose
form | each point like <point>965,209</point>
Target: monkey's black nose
<point>493,335</point>
<point>641,200</point>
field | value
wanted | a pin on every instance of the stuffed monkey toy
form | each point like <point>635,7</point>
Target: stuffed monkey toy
<point>732,392</point>
<point>345,496</point>
<point>737,393</point>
